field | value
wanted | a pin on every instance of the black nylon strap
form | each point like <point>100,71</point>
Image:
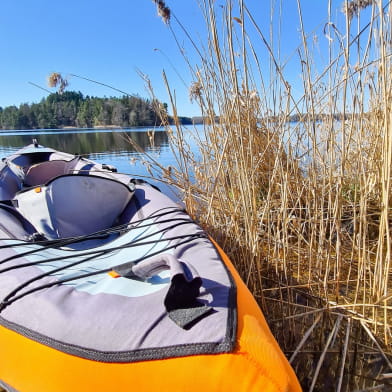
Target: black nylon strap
<point>181,301</point>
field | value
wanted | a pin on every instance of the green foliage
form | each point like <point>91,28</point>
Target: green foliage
<point>72,109</point>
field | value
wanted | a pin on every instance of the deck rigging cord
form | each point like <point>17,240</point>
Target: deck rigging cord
<point>57,243</point>
<point>92,254</point>
<point>8,300</point>
<point>105,251</point>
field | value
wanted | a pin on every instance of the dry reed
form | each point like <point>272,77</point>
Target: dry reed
<point>55,79</point>
<point>303,209</point>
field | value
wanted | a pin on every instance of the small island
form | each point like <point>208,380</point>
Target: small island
<point>73,109</point>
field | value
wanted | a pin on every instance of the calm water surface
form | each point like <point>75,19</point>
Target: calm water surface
<point>104,146</point>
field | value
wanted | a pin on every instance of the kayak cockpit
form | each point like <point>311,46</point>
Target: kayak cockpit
<point>53,195</point>
<point>74,205</point>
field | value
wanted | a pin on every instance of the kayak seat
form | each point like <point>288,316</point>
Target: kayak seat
<point>74,205</point>
<point>41,173</point>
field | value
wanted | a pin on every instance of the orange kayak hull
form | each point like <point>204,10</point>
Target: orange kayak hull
<point>256,364</point>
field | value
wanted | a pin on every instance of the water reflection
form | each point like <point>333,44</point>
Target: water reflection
<point>85,142</point>
<point>104,146</point>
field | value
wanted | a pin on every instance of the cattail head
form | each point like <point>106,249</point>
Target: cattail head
<point>163,10</point>
<point>53,79</point>
<point>353,7</point>
<point>195,90</point>
<point>56,80</point>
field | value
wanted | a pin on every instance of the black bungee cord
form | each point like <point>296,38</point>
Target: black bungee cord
<point>23,242</point>
<point>96,251</point>
<point>8,300</point>
<point>71,240</point>
<point>99,253</point>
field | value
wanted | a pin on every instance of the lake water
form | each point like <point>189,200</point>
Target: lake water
<point>103,145</point>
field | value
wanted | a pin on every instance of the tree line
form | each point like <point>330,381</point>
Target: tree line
<point>72,109</point>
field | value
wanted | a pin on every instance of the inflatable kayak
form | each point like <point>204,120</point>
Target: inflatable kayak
<point>106,284</point>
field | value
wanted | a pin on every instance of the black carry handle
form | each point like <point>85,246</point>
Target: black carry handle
<point>180,301</point>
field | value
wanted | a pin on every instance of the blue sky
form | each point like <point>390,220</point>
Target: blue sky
<point>109,41</point>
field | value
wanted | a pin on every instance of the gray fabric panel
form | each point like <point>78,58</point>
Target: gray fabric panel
<point>117,324</point>
<point>114,323</point>
<point>17,170</point>
<point>60,155</point>
<point>33,206</point>
<point>13,227</point>
<point>9,183</point>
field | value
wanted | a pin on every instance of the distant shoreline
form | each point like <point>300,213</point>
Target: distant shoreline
<point>69,128</point>
<point>97,127</point>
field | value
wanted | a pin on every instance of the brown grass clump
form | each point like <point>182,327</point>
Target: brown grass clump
<point>302,208</point>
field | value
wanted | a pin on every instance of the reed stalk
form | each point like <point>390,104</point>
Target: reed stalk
<point>303,209</point>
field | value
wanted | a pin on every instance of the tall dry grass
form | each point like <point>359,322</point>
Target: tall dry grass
<point>303,209</point>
